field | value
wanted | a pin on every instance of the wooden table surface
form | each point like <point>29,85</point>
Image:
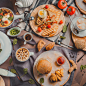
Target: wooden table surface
<point>79,76</point>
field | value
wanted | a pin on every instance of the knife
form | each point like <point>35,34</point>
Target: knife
<point>7,73</point>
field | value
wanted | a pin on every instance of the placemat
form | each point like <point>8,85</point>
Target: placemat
<point>19,66</point>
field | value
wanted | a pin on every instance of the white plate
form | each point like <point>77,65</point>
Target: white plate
<point>52,56</point>
<point>6,47</point>
<point>81,33</point>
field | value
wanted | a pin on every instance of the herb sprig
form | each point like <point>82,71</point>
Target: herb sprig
<point>82,67</point>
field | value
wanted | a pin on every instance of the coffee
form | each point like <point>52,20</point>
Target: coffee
<point>28,37</point>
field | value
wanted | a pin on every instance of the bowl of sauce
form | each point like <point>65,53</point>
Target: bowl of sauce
<point>60,60</point>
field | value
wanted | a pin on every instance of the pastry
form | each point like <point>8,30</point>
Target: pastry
<point>84,1</point>
<point>40,45</point>
<point>50,46</point>
<point>80,44</point>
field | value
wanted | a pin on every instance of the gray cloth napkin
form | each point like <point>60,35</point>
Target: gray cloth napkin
<point>19,66</point>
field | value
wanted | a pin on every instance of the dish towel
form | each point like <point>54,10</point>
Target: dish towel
<point>19,66</point>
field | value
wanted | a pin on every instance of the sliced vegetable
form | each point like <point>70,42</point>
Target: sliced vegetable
<point>0,11</point>
<point>49,26</point>
<point>64,28</point>
<point>1,16</point>
<point>2,23</point>
<point>62,4</point>
<point>41,80</point>
<point>10,18</point>
<point>61,22</point>
<point>70,10</point>
<point>39,29</point>
<point>62,37</point>
<point>46,6</point>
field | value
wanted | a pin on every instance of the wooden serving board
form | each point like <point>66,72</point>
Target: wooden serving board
<point>34,26</point>
<point>2,83</point>
<point>75,38</point>
<point>81,5</point>
<point>52,56</point>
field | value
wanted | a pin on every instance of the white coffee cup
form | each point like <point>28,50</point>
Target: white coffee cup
<point>30,37</point>
<point>30,54</point>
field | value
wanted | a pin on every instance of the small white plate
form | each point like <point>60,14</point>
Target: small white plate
<point>81,33</point>
<point>6,47</point>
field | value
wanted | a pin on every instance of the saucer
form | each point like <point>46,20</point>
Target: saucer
<point>81,33</point>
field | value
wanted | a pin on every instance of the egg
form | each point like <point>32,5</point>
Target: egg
<point>5,19</point>
<point>42,13</point>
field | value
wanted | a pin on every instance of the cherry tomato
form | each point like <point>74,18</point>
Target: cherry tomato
<point>39,29</point>
<point>62,4</point>
<point>1,14</point>
<point>70,10</point>
<point>46,6</point>
<point>61,22</point>
<point>49,26</point>
<point>6,22</point>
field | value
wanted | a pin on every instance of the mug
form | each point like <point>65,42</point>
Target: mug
<point>23,54</point>
<point>27,37</point>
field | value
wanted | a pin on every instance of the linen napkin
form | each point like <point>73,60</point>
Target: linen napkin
<point>19,66</point>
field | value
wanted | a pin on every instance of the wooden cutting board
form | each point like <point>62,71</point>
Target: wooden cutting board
<point>34,26</point>
<point>52,56</point>
<point>81,5</point>
<point>2,83</point>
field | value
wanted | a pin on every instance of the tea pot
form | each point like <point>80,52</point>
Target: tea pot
<point>23,3</point>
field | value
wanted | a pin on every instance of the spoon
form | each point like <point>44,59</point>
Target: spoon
<point>31,18</point>
<point>75,30</point>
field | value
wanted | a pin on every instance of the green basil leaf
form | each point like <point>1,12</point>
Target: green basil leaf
<point>14,41</point>
<point>62,37</point>
<point>1,16</point>
<point>25,70</point>
<point>64,28</point>
<point>31,81</point>
<point>13,71</point>
<point>0,50</point>
<point>41,80</point>
<point>10,61</point>
<point>10,18</point>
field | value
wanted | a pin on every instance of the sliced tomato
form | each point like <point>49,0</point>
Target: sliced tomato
<point>39,29</point>
<point>47,6</point>
<point>61,22</point>
<point>62,4</point>
<point>49,26</point>
<point>1,14</point>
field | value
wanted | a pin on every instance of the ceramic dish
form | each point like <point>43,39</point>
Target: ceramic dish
<point>81,33</point>
<point>6,47</point>
<point>14,16</point>
<point>52,56</point>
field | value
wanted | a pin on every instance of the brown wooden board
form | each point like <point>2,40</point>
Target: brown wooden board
<point>81,5</point>
<point>52,56</point>
<point>34,26</point>
<point>2,83</point>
